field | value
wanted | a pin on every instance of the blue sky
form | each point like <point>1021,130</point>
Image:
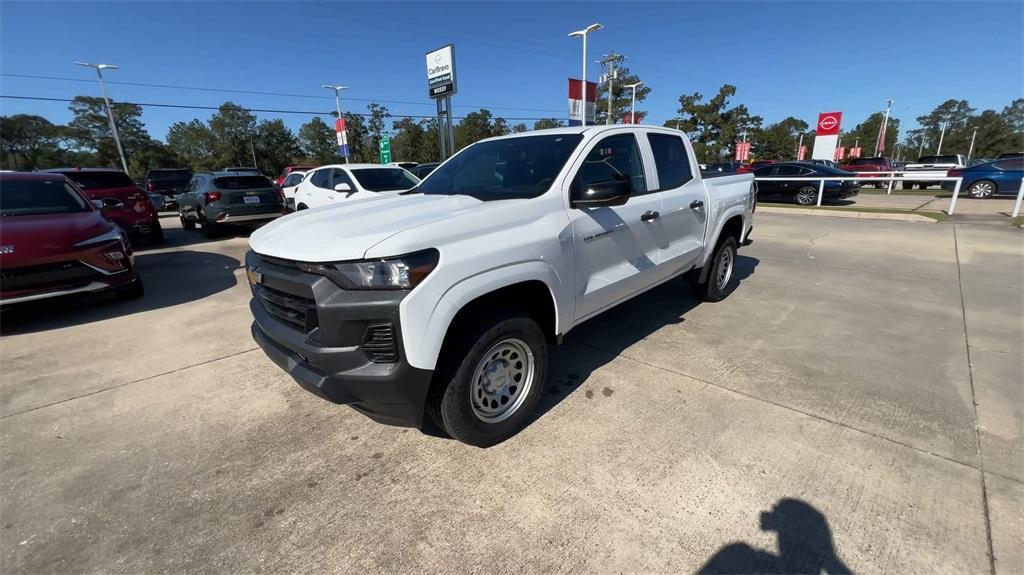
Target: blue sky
<point>787,59</point>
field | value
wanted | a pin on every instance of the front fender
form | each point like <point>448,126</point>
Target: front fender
<point>426,314</point>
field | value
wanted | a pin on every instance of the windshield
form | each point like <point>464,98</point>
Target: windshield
<point>100,180</point>
<point>938,160</point>
<point>385,179</point>
<point>164,175</point>
<point>523,167</point>
<point>34,197</point>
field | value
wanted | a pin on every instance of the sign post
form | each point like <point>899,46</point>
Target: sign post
<point>441,85</point>
<point>385,149</point>
<point>826,136</point>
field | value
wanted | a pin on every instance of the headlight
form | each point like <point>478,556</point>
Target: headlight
<point>398,273</point>
<point>113,235</point>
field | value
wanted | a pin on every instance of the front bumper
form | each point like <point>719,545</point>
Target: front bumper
<point>332,347</point>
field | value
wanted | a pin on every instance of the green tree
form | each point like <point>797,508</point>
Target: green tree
<point>375,128</point>
<point>995,136</point>
<point>29,142</point>
<point>90,129</point>
<point>234,132</point>
<point>195,143</point>
<point>519,128</point>
<point>476,126</point>
<point>276,146</point>
<point>408,140</point>
<point>153,154</point>
<point>621,96</point>
<point>359,149</point>
<point>778,141</point>
<point>713,126</point>
<point>318,142</point>
<point>954,115</point>
<point>547,123</point>
<point>867,133</point>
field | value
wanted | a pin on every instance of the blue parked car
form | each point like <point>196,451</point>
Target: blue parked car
<point>989,179</point>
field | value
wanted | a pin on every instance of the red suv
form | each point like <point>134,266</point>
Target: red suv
<point>123,202</point>
<point>289,169</point>
<point>54,242</point>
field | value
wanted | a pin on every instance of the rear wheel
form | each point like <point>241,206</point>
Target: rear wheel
<point>719,281</point>
<point>807,196</point>
<point>493,377</point>
<point>210,229</point>
<point>982,189</point>
<point>186,224</point>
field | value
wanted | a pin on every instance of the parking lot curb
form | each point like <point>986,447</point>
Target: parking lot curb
<point>846,214</point>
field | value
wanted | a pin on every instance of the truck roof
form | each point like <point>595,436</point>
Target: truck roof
<point>585,130</point>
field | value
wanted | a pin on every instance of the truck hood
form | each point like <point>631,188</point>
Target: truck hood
<point>347,230</point>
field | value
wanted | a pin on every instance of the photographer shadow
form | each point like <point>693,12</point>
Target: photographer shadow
<point>805,545</point>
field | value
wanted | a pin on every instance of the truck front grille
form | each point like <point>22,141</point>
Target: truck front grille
<point>379,343</point>
<point>296,311</point>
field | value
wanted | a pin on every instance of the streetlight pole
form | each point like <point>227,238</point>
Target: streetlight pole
<point>799,145</point>
<point>337,100</point>
<point>971,150</point>
<point>106,101</point>
<point>584,32</point>
<point>880,141</point>
<point>942,136</point>
<point>632,102</point>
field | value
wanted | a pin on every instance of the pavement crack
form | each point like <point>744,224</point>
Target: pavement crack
<point>120,385</point>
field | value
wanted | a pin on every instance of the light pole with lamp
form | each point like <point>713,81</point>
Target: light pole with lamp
<point>584,32</point>
<point>106,101</point>
<point>337,100</point>
<point>632,101</point>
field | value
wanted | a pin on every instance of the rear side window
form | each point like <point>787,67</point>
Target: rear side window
<point>241,182</point>
<point>614,158</point>
<point>783,171</point>
<point>671,160</point>
<point>939,160</point>
<point>1016,164</point>
<point>339,176</point>
<point>100,180</point>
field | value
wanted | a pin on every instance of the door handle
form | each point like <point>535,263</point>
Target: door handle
<point>649,216</point>
<point>696,204</point>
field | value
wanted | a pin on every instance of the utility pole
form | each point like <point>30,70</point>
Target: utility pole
<point>971,151</point>
<point>942,136</point>
<point>632,104</point>
<point>613,73</point>
<point>583,33</point>
<point>252,150</point>
<point>799,145</point>
<point>106,101</point>
<point>337,104</point>
<point>880,141</point>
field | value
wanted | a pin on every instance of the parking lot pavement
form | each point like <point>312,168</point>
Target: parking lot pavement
<point>935,202</point>
<point>855,403</point>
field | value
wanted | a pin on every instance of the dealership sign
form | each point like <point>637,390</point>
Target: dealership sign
<point>441,72</point>
<point>577,104</point>
<point>826,135</point>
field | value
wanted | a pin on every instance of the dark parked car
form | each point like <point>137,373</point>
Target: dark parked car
<point>219,199</point>
<point>987,180</point>
<point>421,170</point>
<point>123,202</point>
<point>168,182</point>
<point>723,167</point>
<point>1010,156</point>
<point>56,242</point>
<point>828,163</point>
<point>803,192</point>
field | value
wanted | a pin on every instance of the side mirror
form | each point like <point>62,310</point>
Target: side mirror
<point>343,188</point>
<point>603,194</point>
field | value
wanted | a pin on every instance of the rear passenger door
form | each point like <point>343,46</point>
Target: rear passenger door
<point>683,200</point>
<point>616,247</point>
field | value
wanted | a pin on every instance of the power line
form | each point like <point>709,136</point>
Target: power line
<point>262,110</point>
<point>260,93</point>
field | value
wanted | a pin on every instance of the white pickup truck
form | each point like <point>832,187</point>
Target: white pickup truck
<point>932,167</point>
<point>442,301</point>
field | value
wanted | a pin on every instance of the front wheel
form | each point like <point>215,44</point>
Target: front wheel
<point>495,376</point>
<point>718,284</point>
<point>133,290</point>
<point>982,189</point>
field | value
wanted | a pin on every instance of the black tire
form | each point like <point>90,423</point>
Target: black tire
<point>186,224</point>
<point>806,196</point>
<point>922,186</point>
<point>452,407</point>
<point>210,229</point>
<point>712,289</point>
<point>982,189</point>
<point>134,290</point>
<point>301,207</point>
<point>156,235</point>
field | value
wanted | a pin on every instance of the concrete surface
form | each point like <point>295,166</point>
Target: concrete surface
<point>855,403</point>
<point>937,201</point>
<point>846,212</point>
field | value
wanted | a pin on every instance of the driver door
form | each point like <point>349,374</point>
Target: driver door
<point>616,247</point>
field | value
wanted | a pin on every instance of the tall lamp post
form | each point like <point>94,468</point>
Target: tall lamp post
<point>974,135</point>
<point>632,101</point>
<point>106,102</point>
<point>337,100</point>
<point>880,141</point>
<point>942,136</point>
<point>584,32</point>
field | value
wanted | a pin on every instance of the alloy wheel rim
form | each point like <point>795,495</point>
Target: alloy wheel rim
<point>805,197</point>
<point>723,271</point>
<point>982,189</point>
<point>502,380</point>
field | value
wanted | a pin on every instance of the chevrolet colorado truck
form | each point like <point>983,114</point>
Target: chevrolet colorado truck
<point>442,301</point>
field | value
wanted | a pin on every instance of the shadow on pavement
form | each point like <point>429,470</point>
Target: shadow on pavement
<point>619,328</point>
<point>805,545</point>
<point>170,278</point>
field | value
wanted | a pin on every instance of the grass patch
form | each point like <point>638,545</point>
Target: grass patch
<point>937,216</point>
<point>1017,221</point>
<point>933,193</point>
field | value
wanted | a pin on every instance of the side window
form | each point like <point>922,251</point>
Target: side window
<point>806,172</point>
<point>339,176</point>
<point>321,179</point>
<point>784,171</point>
<point>671,160</point>
<point>1014,164</point>
<point>614,158</point>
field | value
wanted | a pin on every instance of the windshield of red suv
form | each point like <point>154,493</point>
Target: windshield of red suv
<point>36,197</point>
<point>99,180</point>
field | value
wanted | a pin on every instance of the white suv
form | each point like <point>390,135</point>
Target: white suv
<point>345,182</point>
